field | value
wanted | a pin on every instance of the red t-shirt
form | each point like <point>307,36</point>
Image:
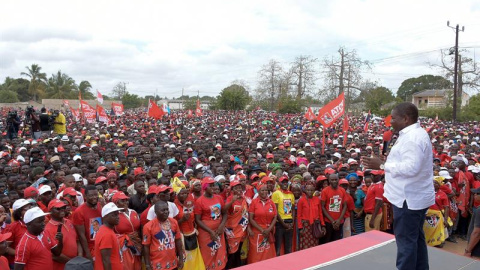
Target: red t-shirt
<point>18,229</point>
<point>441,200</point>
<point>42,206</point>
<point>128,222</point>
<point>161,238</point>
<point>143,216</point>
<point>263,212</point>
<point>70,248</point>
<point>309,210</point>
<point>188,226</point>
<point>35,251</point>
<point>350,205</point>
<point>334,200</point>
<point>375,192</point>
<point>91,220</point>
<point>106,239</point>
<point>209,208</point>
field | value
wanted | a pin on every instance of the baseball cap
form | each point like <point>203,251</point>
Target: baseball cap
<point>19,204</point>
<point>152,189</point>
<point>237,167</point>
<point>208,180</point>
<point>100,179</point>
<point>78,177</point>
<point>69,191</point>
<point>101,168</point>
<point>55,203</point>
<point>32,214</point>
<point>109,208</point>
<point>119,196</point>
<point>161,188</point>
<point>444,174</point>
<point>76,157</point>
<point>138,170</point>
<point>234,183</point>
<point>44,189</point>
<point>343,181</point>
<point>30,192</point>
<point>269,155</point>
<point>321,178</point>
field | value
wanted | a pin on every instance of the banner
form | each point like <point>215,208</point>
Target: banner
<point>99,97</point>
<point>75,113</point>
<point>117,108</point>
<point>89,112</point>
<point>165,108</point>
<point>102,115</point>
<point>190,114</point>
<point>154,111</point>
<point>66,103</point>
<point>332,111</point>
<point>388,120</point>
<point>309,115</point>
<point>198,110</point>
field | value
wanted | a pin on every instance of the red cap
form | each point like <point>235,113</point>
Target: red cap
<point>360,173</point>
<point>55,203</point>
<point>253,176</point>
<point>162,188</point>
<point>5,236</point>
<point>321,178</point>
<point>377,172</point>
<point>266,179</point>
<point>269,155</point>
<point>283,178</point>
<point>329,171</point>
<point>208,180</point>
<point>178,174</point>
<point>70,191</point>
<point>343,181</point>
<point>189,150</point>
<point>138,171</point>
<point>100,179</point>
<point>130,144</point>
<point>30,192</point>
<point>119,196</point>
<point>101,168</point>
<point>234,183</point>
<point>237,167</point>
<point>152,189</point>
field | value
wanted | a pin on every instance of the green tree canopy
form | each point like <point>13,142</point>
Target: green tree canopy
<point>234,97</point>
<point>131,101</point>
<point>19,86</point>
<point>61,86</point>
<point>377,97</point>
<point>472,110</point>
<point>424,82</point>
<point>84,87</point>
<point>37,80</point>
<point>7,96</point>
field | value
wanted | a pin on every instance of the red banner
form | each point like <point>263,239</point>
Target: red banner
<point>154,111</point>
<point>102,115</point>
<point>332,111</point>
<point>198,110</point>
<point>190,114</point>
<point>89,112</point>
<point>309,115</point>
<point>388,120</point>
<point>117,108</point>
<point>75,114</point>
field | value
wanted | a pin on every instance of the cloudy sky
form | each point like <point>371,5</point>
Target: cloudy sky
<point>165,46</point>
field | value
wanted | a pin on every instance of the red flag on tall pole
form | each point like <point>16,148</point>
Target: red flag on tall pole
<point>198,110</point>
<point>190,114</point>
<point>388,120</point>
<point>367,121</point>
<point>332,111</point>
<point>345,130</point>
<point>309,115</point>
<point>99,97</point>
<point>102,115</point>
<point>154,111</point>
<point>89,112</point>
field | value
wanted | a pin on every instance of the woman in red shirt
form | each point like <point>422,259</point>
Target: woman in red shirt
<point>210,216</point>
<point>309,214</point>
<point>237,223</point>
<point>262,218</point>
<point>128,229</point>
<point>186,222</point>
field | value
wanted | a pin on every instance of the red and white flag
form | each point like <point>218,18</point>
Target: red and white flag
<point>309,115</point>
<point>154,111</point>
<point>75,113</point>
<point>198,110</point>
<point>89,112</point>
<point>99,97</point>
<point>66,103</point>
<point>190,114</point>
<point>332,111</point>
<point>102,115</point>
<point>117,108</point>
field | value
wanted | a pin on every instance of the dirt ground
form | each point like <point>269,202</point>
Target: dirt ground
<point>457,248</point>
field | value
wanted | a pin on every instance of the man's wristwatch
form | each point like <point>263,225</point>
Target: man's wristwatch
<point>382,166</point>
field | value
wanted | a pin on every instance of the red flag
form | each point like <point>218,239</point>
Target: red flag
<point>198,110</point>
<point>388,120</point>
<point>309,115</point>
<point>88,111</point>
<point>117,108</point>
<point>102,115</point>
<point>65,103</point>
<point>99,97</point>
<point>367,121</point>
<point>345,129</point>
<point>154,111</point>
<point>190,114</point>
<point>75,114</point>
<point>332,111</point>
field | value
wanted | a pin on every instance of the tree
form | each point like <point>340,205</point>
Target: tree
<point>424,82</point>
<point>303,71</point>
<point>472,110</point>
<point>377,97</point>
<point>468,70</point>
<point>84,88</point>
<point>7,96</point>
<point>234,97</point>
<point>190,104</point>
<point>290,104</point>
<point>61,86</point>
<point>119,90</point>
<point>37,80</point>
<point>130,101</point>
<point>19,86</point>
<point>269,83</point>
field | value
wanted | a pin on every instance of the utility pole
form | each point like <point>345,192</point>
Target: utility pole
<point>455,74</point>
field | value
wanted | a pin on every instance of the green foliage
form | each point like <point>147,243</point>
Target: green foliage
<point>235,97</point>
<point>377,97</point>
<point>84,88</point>
<point>61,86</point>
<point>190,104</point>
<point>37,80</point>
<point>472,110</point>
<point>19,86</point>
<point>290,105</point>
<point>7,96</point>
<point>443,113</point>
<point>424,82</point>
<point>131,101</point>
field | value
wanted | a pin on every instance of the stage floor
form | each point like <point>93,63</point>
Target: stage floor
<point>369,251</point>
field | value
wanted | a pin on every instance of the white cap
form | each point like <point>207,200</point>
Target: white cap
<point>301,153</point>
<point>26,142</point>
<point>470,168</point>
<point>334,142</point>
<point>83,146</point>
<point>293,150</point>
<point>198,166</point>
<point>43,189</point>
<point>172,146</point>
<point>307,145</point>
<point>76,157</point>
<point>109,208</point>
<point>337,155</point>
<point>32,214</point>
<point>19,204</point>
<point>77,177</point>
<point>65,138</point>
<point>444,174</point>
<point>218,178</point>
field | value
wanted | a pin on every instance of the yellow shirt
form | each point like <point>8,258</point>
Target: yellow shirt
<point>60,129</point>
<point>285,202</point>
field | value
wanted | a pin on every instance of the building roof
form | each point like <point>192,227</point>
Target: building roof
<point>430,93</point>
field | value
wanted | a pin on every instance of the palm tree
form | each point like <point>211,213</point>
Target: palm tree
<point>61,86</point>
<point>84,88</point>
<point>37,80</point>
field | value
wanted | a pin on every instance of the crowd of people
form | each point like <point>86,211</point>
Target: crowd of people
<point>213,192</point>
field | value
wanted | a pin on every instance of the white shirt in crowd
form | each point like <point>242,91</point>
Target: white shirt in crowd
<point>172,209</point>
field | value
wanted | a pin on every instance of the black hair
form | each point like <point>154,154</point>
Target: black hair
<point>150,196</point>
<point>407,109</point>
<point>90,187</point>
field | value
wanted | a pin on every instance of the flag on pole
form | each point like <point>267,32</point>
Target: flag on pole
<point>388,120</point>
<point>165,108</point>
<point>66,103</point>
<point>99,97</point>
<point>75,113</point>
<point>332,111</point>
<point>102,115</point>
<point>88,111</point>
<point>190,114</point>
<point>309,115</point>
<point>117,108</point>
<point>154,111</point>
<point>367,121</point>
<point>198,110</point>
<point>345,130</point>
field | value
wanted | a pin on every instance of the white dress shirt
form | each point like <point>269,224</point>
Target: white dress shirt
<point>409,170</point>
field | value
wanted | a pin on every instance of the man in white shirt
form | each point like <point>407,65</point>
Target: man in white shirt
<point>408,185</point>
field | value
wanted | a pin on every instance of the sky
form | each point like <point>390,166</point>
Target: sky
<point>163,47</point>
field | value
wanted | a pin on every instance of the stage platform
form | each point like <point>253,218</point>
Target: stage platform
<point>368,251</point>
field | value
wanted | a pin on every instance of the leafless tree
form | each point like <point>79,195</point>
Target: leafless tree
<point>303,73</point>
<point>269,82</point>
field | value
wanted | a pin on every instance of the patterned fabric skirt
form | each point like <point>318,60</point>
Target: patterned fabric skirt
<point>358,225</point>
<point>307,240</point>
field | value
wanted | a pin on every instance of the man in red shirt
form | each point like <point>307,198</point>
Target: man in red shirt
<point>37,246</point>
<point>87,220</point>
<point>71,245</point>
<point>334,206</point>
<point>162,241</point>
<point>44,197</point>
<point>374,202</point>
<point>107,247</point>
